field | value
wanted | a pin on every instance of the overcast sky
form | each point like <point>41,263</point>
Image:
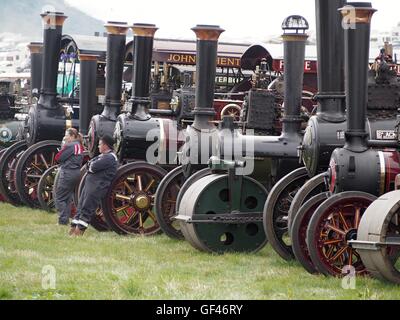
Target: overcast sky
<point>243,20</point>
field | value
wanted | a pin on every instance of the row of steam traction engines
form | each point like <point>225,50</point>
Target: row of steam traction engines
<point>234,185</point>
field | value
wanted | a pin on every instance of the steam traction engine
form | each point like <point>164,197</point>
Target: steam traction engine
<point>11,132</point>
<point>260,114</point>
<point>324,133</point>
<point>223,212</point>
<point>128,206</point>
<point>358,172</point>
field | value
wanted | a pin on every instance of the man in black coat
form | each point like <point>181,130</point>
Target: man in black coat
<point>101,172</point>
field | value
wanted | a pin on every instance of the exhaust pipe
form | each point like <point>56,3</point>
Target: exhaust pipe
<point>357,16</point>
<point>294,42</point>
<point>87,92</point>
<point>206,66</point>
<point>330,39</point>
<point>36,51</point>
<point>114,69</point>
<point>53,24</point>
<point>142,53</point>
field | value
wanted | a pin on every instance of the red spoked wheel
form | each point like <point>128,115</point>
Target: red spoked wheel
<point>298,232</point>
<point>98,221</point>
<point>8,162</point>
<point>129,205</point>
<point>165,203</point>
<point>333,225</point>
<point>30,168</point>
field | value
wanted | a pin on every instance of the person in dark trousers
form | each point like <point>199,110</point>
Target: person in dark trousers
<point>101,172</point>
<point>70,160</point>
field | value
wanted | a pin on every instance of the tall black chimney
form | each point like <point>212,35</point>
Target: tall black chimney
<point>87,91</point>
<point>114,69</point>
<point>330,39</point>
<point>142,59</point>
<point>53,23</point>
<point>36,51</point>
<point>357,23</point>
<point>294,41</point>
<point>206,66</point>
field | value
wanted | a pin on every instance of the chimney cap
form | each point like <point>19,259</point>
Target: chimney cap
<point>357,12</point>
<point>144,29</point>
<point>295,24</point>
<point>116,28</point>
<point>51,18</point>
<point>207,32</point>
<point>35,47</point>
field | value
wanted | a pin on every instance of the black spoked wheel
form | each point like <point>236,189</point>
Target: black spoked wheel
<point>276,211</point>
<point>298,233</point>
<point>8,163</point>
<point>165,203</point>
<point>311,188</point>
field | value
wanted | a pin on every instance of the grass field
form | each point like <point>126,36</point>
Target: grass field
<point>108,266</point>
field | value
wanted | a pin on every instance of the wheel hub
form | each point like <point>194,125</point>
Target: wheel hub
<point>141,202</point>
<point>351,235</point>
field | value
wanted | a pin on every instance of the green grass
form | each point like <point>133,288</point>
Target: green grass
<point>108,266</point>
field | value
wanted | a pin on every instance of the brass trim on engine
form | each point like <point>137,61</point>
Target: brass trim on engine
<point>294,37</point>
<point>360,16</point>
<point>211,33</point>
<point>144,30</point>
<point>35,47</point>
<point>54,18</point>
<point>116,28</point>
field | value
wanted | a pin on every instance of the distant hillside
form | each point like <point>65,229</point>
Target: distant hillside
<point>22,17</point>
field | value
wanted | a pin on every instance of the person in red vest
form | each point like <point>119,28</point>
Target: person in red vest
<point>70,159</point>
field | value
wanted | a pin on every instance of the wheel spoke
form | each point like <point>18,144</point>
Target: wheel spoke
<point>33,176</point>
<point>338,254</point>
<point>330,242</point>
<point>343,233</point>
<point>152,182</point>
<point>37,167</point>
<point>126,184</point>
<point>44,161</point>
<point>346,227</point>
<point>140,220</point>
<point>350,251</point>
<point>151,215</point>
<point>357,218</point>
<point>118,210</point>
<point>139,183</point>
<point>122,197</point>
